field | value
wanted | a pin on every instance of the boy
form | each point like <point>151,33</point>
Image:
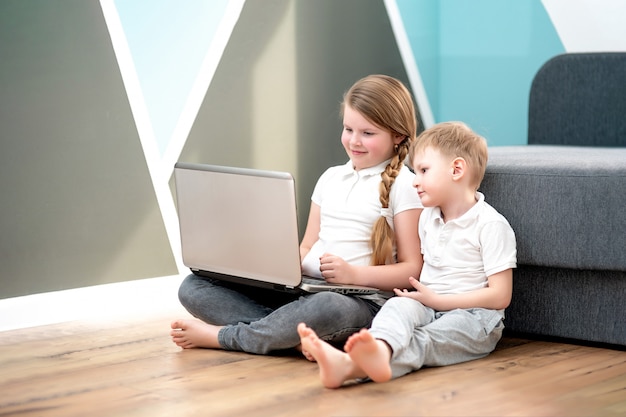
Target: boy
<point>455,314</point>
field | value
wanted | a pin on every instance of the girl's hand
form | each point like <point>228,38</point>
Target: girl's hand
<point>335,270</point>
<point>422,293</point>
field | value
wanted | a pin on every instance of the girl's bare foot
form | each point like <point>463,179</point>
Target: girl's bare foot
<point>336,367</point>
<point>305,353</point>
<point>195,334</point>
<point>370,354</point>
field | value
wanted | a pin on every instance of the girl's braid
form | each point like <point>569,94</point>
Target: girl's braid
<point>382,238</point>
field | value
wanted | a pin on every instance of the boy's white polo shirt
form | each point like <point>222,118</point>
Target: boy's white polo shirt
<point>349,206</point>
<point>460,254</point>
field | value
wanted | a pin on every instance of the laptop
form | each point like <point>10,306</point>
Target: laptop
<point>241,225</point>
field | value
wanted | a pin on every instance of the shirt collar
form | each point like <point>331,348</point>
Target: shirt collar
<point>468,217</point>
<point>348,169</point>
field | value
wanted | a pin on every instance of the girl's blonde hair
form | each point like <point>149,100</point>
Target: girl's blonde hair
<point>387,103</point>
<point>455,139</point>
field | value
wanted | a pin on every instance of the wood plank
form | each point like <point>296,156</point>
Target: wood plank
<point>130,367</point>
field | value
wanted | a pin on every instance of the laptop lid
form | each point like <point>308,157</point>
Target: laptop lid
<point>239,222</point>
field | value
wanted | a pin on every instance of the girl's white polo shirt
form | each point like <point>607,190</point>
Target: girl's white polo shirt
<point>349,206</point>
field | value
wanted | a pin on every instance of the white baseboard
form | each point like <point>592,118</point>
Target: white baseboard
<point>100,301</point>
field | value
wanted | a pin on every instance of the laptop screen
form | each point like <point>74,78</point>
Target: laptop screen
<point>239,222</point>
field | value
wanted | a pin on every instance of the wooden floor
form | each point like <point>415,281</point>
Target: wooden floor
<point>131,368</point>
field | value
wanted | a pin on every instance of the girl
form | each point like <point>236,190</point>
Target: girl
<point>362,229</point>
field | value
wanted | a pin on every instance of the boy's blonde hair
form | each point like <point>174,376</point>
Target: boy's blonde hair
<point>387,103</point>
<point>455,139</point>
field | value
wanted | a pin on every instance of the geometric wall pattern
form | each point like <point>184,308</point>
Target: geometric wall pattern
<point>92,124</point>
<point>77,204</point>
<point>101,98</point>
<point>476,60</point>
<point>167,53</point>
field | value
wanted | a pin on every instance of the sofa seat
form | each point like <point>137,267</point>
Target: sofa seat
<point>566,205</point>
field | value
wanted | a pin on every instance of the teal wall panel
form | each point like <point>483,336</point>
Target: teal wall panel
<point>487,54</point>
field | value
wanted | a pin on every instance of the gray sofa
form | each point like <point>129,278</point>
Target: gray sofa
<point>564,195</point>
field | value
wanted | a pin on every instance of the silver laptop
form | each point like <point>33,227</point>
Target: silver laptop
<point>240,225</point>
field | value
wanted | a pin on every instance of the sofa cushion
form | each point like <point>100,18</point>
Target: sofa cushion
<point>565,204</point>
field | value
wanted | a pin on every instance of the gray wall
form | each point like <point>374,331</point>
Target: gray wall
<point>78,207</point>
<point>77,204</point>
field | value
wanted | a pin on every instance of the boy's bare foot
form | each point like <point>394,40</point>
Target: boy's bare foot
<point>370,354</point>
<point>336,367</point>
<point>195,334</point>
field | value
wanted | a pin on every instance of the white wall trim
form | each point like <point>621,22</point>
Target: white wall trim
<point>161,168</point>
<point>108,301</point>
<point>410,64</point>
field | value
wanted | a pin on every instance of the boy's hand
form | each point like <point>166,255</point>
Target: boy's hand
<point>422,293</point>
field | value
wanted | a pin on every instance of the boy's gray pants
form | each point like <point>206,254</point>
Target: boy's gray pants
<point>420,336</point>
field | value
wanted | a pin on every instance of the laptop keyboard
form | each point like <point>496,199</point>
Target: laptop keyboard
<point>313,280</point>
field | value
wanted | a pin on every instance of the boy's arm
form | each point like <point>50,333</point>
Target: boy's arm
<point>496,296</point>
